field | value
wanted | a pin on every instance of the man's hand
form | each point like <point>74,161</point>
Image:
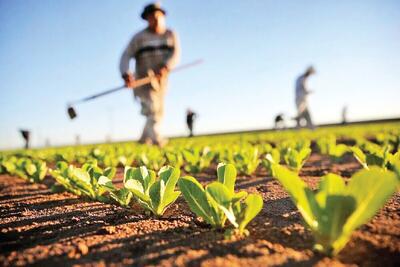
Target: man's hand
<point>163,71</point>
<point>129,80</point>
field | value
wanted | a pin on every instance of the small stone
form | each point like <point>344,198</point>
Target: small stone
<point>83,248</point>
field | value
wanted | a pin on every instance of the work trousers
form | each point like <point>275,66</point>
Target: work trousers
<point>305,114</point>
<point>153,109</point>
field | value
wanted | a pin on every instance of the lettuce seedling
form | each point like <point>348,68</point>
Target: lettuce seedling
<point>32,170</point>
<point>152,158</point>
<point>247,160</point>
<point>295,159</point>
<point>153,194</point>
<point>174,159</point>
<point>218,201</point>
<point>274,156</point>
<point>197,159</point>
<point>375,157</point>
<point>122,196</point>
<point>336,210</point>
<point>83,181</point>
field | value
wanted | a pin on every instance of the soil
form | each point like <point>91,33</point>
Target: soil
<point>41,228</point>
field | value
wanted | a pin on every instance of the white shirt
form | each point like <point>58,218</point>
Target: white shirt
<point>301,93</point>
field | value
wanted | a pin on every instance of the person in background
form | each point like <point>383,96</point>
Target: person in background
<point>301,98</point>
<point>279,121</point>
<point>154,49</point>
<point>190,117</point>
<point>344,115</point>
<point>26,135</point>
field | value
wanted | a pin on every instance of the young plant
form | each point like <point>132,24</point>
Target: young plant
<point>197,159</point>
<point>380,157</point>
<point>295,159</point>
<point>174,159</point>
<point>153,194</point>
<point>274,156</point>
<point>32,170</point>
<point>83,181</point>
<point>152,158</point>
<point>336,210</point>
<point>122,196</point>
<point>247,160</point>
<point>218,201</point>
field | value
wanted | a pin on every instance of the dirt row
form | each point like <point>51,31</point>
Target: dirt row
<point>41,228</point>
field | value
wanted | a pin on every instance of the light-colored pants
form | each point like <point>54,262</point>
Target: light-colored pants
<point>153,109</point>
<point>305,114</point>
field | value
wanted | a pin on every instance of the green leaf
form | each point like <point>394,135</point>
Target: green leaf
<point>371,189</point>
<point>226,174</point>
<point>220,199</point>
<point>252,206</point>
<point>196,198</point>
<point>136,187</point>
<point>360,156</point>
<point>301,195</point>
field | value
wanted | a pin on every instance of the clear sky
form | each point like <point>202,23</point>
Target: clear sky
<point>52,52</point>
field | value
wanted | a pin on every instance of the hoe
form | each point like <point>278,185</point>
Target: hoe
<point>151,78</point>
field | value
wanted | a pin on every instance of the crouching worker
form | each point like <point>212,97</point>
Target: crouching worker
<point>154,49</point>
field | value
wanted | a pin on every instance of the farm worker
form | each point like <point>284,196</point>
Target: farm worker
<point>301,98</point>
<point>26,136</point>
<point>190,117</point>
<point>155,49</point>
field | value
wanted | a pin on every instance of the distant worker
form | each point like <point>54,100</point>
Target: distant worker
<point>26,135</point>
<point>190,117</point>
<point>344,115</point>
<point>280,121</point>
<point>156,49</point>
<point>301,99</point>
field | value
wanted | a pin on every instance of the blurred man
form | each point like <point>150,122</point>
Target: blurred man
<point>301,98</point>
<point>190,117</point>
<point>344,115</point>
<point>156,49</point>
<point>26,135</point>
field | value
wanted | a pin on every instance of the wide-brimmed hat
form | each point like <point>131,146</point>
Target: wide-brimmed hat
<point>152,8</point>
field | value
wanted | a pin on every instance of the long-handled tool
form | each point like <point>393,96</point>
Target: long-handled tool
<point>151,78</point>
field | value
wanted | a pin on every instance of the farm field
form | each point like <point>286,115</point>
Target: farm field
<point>82,205</point>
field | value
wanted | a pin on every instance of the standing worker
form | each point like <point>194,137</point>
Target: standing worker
<point>301,99</point>
<point>155,49</point>
<point>190,117</point>
<point>26,135</point>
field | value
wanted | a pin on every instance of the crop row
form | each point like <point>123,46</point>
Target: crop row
<point>332,213</point>
<point>152,178</point>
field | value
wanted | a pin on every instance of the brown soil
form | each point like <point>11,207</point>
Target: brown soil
<point>41,228</point>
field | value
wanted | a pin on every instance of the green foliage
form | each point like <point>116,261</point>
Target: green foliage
<point>247,160</point>
<point>86,181</point>
<point>152,158</point>
<point>197,159</point>
<point>153,194</point>
<point>218,202</point>
<point>274,156</point>
<point>327,146</point>
<point>375,156</point>
<point>336,210</point>
<point>295,159</point>
<point>32,170</point>
<point>174,159</point>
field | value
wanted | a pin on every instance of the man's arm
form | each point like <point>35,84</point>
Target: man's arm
<point>174,57</point>
<point>127,55</point>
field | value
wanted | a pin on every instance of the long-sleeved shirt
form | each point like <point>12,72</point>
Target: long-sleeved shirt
<point>150,51</point>
<point>301,93</point>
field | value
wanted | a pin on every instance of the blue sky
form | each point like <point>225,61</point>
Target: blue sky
<point>52,52</point>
